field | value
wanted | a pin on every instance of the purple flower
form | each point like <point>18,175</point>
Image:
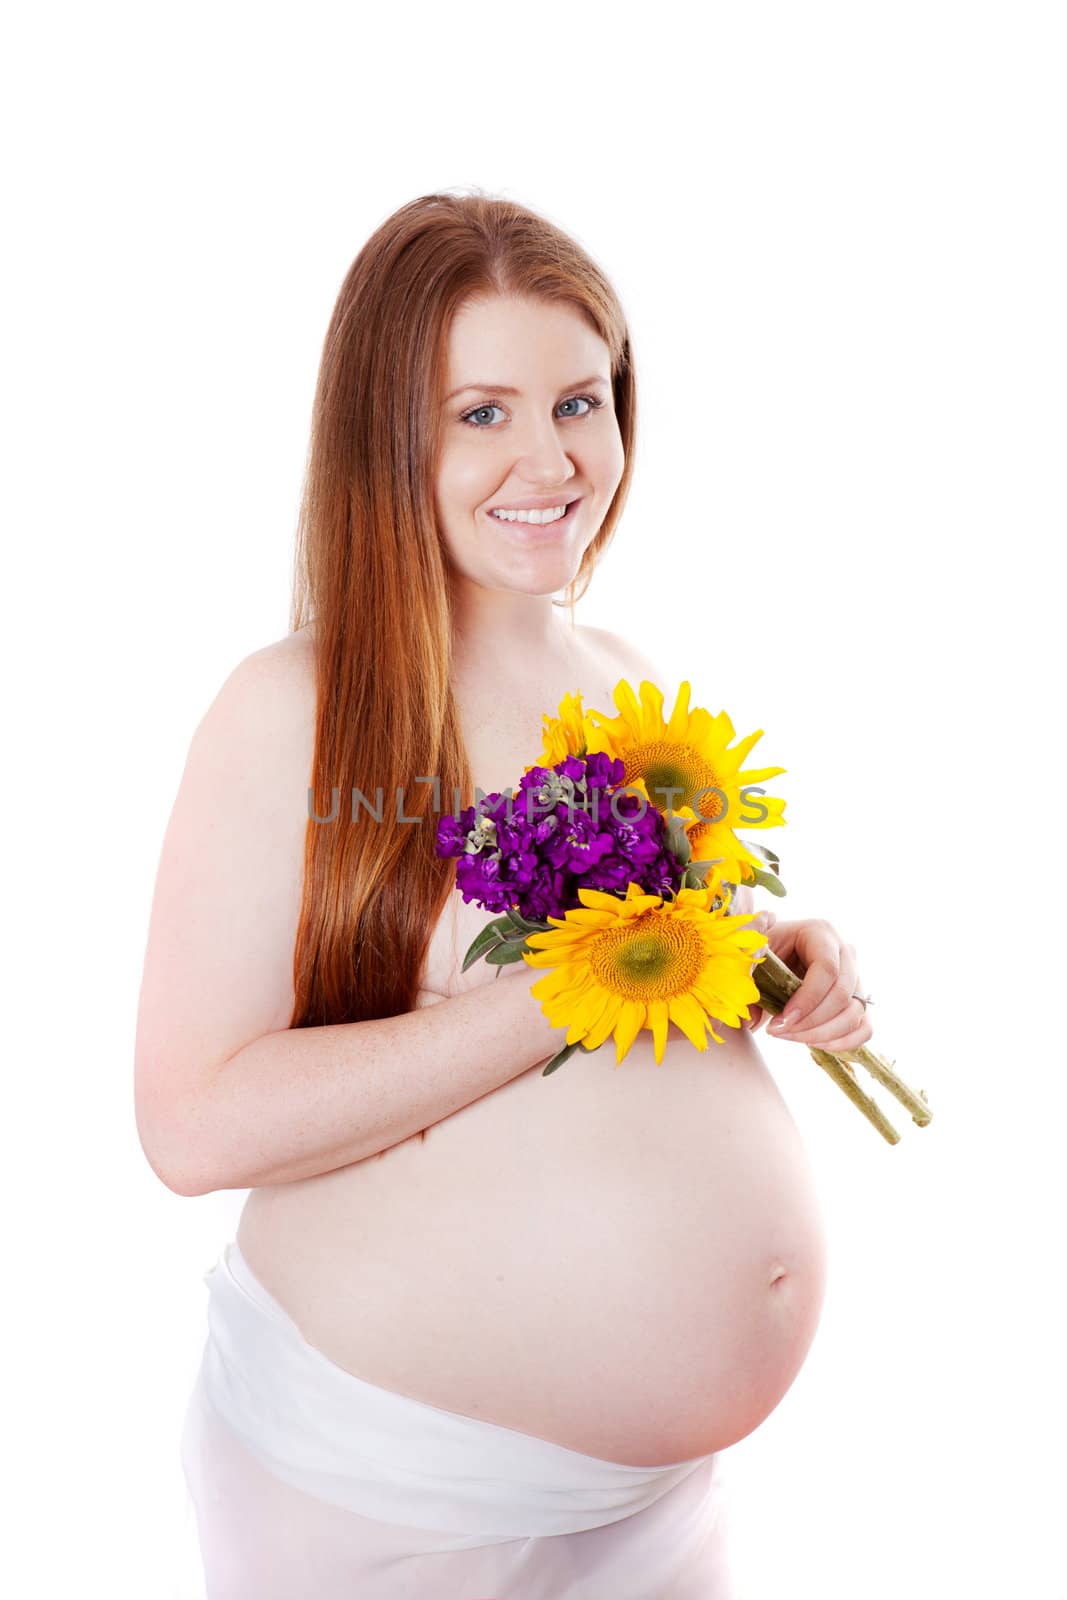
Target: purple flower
<point>565,828</point>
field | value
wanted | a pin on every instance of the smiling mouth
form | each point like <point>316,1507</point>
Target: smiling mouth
<point>535,530</point>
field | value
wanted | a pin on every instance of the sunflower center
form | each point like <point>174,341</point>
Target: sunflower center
<point>649,958</point>
<point>673,774</point>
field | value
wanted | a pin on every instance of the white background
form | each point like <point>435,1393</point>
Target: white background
<point>838,232</point>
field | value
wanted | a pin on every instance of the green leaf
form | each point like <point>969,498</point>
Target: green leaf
<point>523,924</point>
<point>700,870</point>
<point>509,950</point>
<point>771,881</point>
<point>761,850</point>
<point>490,935</point>
<point>677,840</point>
<point>560,1057</point>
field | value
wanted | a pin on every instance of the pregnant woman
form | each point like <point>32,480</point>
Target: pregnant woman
<point>480,1332</point>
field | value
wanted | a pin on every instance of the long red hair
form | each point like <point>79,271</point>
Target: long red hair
<point>371,572</point>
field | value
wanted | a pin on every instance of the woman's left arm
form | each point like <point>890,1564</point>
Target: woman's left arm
<point>824,1011</point>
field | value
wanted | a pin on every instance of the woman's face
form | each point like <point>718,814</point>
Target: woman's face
<point>533,425</point>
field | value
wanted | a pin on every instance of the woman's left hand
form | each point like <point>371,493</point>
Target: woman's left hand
<point>823,1011</point>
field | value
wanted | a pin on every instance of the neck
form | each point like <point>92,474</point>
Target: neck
<point>497,626</point>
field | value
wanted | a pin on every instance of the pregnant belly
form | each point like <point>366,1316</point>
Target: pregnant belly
<point>628,1261</point>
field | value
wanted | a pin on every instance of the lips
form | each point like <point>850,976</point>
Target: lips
<point>537,502</point>
<point>530,528</point>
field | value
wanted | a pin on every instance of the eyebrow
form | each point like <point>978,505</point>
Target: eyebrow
<point>504,388</point>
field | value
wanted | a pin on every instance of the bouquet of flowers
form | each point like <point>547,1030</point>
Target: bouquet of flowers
<point>623,895</point>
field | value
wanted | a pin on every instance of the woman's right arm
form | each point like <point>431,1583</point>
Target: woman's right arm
<point>306,1100</point>
<point>227,1096</point>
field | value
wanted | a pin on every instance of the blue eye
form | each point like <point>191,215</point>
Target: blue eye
<point>494,405</point>
<point>469,416</point>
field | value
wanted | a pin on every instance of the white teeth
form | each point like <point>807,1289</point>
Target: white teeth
<point>531,516</point>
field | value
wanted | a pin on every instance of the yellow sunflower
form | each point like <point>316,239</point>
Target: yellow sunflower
<point>687,766</point>
<point>564,734</point>
<point>621,965</point>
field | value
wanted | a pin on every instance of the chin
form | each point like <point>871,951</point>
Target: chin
<point>550,583</point>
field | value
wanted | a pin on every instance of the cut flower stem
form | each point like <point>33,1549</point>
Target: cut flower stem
<point>776,983</point>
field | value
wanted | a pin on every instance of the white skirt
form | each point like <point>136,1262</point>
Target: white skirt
<point>307,1481</point>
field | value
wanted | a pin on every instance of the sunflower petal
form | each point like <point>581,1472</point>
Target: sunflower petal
<point>658,1018</point>
<point>678,726</point>
<point>626,701</point>
<point>558,940</point>
<point>606,1021</point>
<point>543,958</point>
<point>702,730</point>
<point>630,1022</point>
<point>756,774</point>
<point>559,984</point>
<point>774,817</point>
<point>651,706</point>
<point>598,900</point>
<point>636,901</point>
<point>576,1013</point>
<point>738,752</point>
<point>689,1016</point>
<point>719,730</point>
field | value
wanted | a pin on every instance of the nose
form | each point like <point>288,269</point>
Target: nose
<point>543,462</point>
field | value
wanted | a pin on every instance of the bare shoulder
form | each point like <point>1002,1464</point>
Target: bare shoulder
<point>287,663</point>
<point>218,958</point>
<point>266,706</point>
<point>622,658</point>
